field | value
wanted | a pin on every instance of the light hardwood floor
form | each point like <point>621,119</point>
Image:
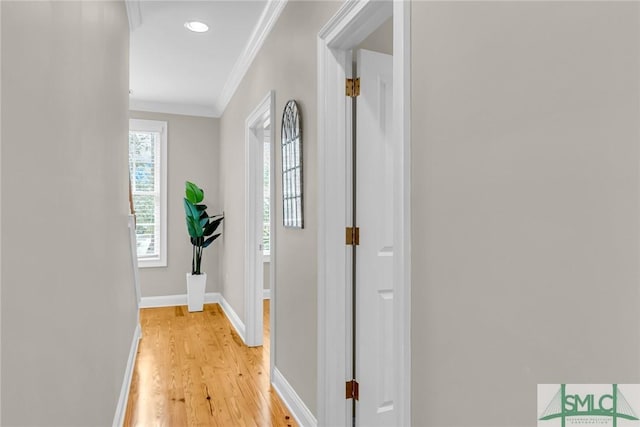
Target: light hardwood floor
<point>192,369</point>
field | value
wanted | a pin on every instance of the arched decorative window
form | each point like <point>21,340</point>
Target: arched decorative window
<point>292,177</point>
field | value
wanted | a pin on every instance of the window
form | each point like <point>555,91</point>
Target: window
<point>292,185</point>
<point>266,218</point>
<point>148,175</point>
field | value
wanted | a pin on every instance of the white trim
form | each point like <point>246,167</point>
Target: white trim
<point>254,194</point>
<point>233,317</point>
<point>402,211</point>
<point>266,294</point>
<point>332,346</point>
<point>133,13</point>
<point>273,243</point>
<point>162,128</point>
<point>0,216</point>
<point>121,407</point>
<point>134,257</point>
<point>355,20</point>
<point>265,24</point>
<point>176,300</point>
<point>290,398</point>
<point>173,108</point>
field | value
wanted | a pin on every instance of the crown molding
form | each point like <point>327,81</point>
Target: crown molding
<point>171,108</point>
<point>265,24</point>
<point>352,10</point>
<point>133,13</point>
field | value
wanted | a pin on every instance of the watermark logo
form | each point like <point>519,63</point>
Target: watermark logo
<point>593,405</point>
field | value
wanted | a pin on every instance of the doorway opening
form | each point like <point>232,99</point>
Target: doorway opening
<point>337,300</point>
<point>260,242</point>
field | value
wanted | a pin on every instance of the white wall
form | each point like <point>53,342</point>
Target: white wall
<point>381,40</point>
<point>68,302</point>
<point>525,195</point>
<point>286,64</point>
<point>193,155</point>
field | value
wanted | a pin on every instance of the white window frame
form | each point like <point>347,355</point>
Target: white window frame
<point>137,125</point>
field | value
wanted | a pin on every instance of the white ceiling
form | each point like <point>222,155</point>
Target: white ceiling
<point>174,70</point>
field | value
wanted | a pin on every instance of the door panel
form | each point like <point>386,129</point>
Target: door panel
<point>374,256</point>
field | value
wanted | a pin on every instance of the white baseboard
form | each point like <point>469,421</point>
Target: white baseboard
<point>174,300</point>
<point>298,409</point>
<point>266,294</point>
<point>121,408</point>
<point>233,317</point>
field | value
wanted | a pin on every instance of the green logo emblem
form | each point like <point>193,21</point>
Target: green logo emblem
<point>588,407</point>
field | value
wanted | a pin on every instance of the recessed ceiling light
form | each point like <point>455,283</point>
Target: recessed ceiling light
<point>196,26</point>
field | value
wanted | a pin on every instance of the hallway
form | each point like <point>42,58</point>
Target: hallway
<point>192,369</point>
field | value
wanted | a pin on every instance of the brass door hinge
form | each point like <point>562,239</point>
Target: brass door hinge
<point>352,236</point>
<point>352,389</point>
<point>353,87</point>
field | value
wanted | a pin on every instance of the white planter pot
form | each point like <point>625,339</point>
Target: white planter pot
<point>196,284</point>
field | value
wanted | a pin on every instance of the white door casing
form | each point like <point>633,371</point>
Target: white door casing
<point>374,256</point>
<point>353,22</point>
<point>253,265</point>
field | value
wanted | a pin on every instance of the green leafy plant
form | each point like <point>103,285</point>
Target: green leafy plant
<point>200,225</point>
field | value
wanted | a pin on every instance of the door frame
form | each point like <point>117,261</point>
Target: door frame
<point>253,285</point>
<point>353,22</point>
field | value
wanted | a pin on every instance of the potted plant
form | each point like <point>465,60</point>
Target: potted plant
<point>201,229</point>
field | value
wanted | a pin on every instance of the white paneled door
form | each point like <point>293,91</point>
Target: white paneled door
<point>374,256</point>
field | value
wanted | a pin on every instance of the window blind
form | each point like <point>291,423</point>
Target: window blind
<point>144,169</point>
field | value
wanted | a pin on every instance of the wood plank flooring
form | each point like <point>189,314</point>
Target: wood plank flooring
<point>192,369</point>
